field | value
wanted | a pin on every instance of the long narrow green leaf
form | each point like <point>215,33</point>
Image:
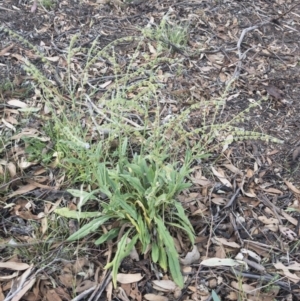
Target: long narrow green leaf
<point>66,212</point>
<point>163,261</point>
<point>91,227</point>
<point>175,269</point>
<point>134,182</point>
<point>107,236</point>
<point>123,250</point>
<point>171,252</point>
<point>127,207</point>
<point>154,252</point>
<point>185,228</point>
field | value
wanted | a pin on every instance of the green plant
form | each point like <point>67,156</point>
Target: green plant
<point>35,149</point>
<point>169,35</point>
<point>116,141</point>
<point>142,195</point>
<point>47,4</point>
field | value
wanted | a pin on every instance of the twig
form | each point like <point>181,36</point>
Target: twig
<point>245,31</point>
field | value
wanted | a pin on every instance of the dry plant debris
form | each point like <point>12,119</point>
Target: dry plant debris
<point>244,201</point>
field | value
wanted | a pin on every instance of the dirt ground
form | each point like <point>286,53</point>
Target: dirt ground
<point>270,69</point>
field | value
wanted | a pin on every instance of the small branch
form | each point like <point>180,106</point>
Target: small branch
<point>245,31</point>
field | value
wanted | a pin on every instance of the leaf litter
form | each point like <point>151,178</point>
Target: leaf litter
<point>238,203</point>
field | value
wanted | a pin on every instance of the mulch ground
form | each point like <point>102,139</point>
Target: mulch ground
<point>254,219</point>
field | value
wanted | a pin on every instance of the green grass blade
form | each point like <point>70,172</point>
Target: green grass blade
<point>89,228</point>
<point>107,236</point>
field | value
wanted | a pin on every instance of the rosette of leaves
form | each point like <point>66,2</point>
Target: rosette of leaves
<point>142,195</point>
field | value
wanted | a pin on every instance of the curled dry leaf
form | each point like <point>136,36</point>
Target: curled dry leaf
<point>191,257</point>
<point>221,176</point>
<point>255,265</point>
<point>251,254</point>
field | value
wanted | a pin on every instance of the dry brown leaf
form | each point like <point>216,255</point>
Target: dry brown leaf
<point>12,169</point>
<point>44,225</point>
<point>129,278</point>
<point>7,124</point>
<point>291,219</point>
<point>203,181</point>
<point>221,176</point>
<point>2,297</point>
<point>233,169</point>
<point>296,153</point>
<point>8,277</point>
<point>17,103</point>
<point>27,215</point>
<point>24,283</point>
<point>273,152</point>
<point>85,285</point>
<point>232,296</point>
<point>63,293</point>
<point>11,265</point>
<point>21,190</point>
<point>151,49</point>
<point>215,262</point>
<point>223,77</point>
<point>245,288</point>
<point>164,285</point>
<point>153,297</point>
<point>79,265</point>
<point>67,280</point>
<point>199,211</point>
<point>251,254</point>
<point>52,58</point>
<point>272,190</point>
<point>291,187</point>
<point>220,251</point>
<point>225,242</point>
<point>191,257</point>
<point>275,92</point>
<point>216,58</point>
<point>6,49</point>
<point>293,277</point>
<point>290,234</point>
<point>219,201</point>
<point>52,295</point>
